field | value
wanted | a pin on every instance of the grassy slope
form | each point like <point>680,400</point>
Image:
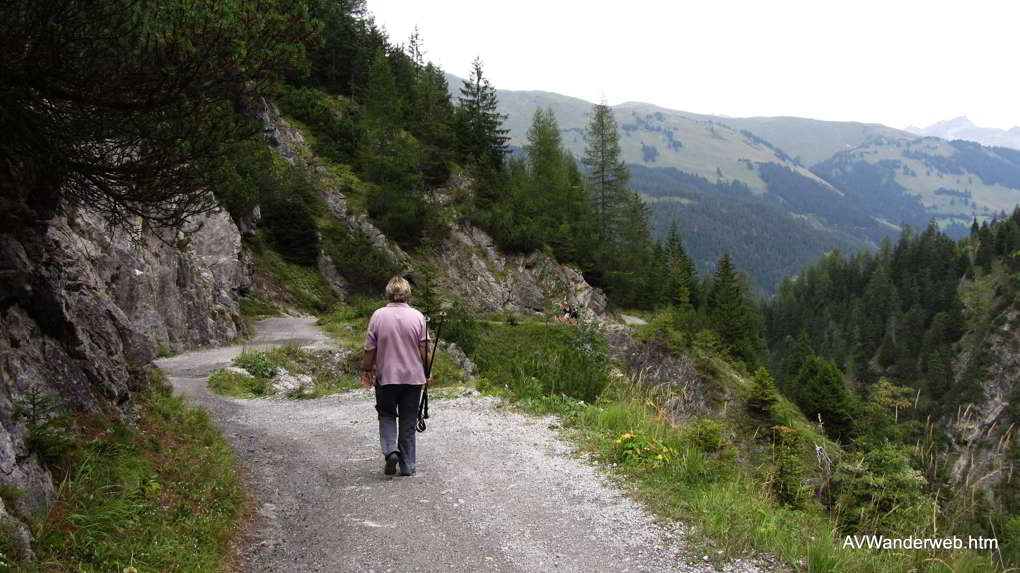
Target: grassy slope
<point>164,495</point>
<point>812,140</point>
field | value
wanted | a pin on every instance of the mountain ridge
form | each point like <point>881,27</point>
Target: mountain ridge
<point>961,127</point>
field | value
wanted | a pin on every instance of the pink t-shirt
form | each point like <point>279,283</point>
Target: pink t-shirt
<point>395,332</point>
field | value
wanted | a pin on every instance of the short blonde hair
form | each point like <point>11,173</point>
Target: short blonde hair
<point>398,290</point>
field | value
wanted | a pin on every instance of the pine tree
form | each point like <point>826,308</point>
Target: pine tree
<point>631,258</point>
<point>482,136</point>
<point>607,174</point>
<point>764,397</point>
<point>381,101</point>
<point>682,281</point>
<point>818,389</point>
<point>730,311</point>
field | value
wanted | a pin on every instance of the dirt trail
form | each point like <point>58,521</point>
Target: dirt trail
<point>495,490</point>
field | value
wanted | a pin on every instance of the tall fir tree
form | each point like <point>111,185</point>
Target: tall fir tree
<point>607,175</point>
<point>682,279</point>
<point>483,138</point>
<point>730,310</point>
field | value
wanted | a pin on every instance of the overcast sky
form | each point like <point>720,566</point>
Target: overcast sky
<point>897,62</point>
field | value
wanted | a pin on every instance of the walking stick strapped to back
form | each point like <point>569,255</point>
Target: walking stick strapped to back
<point>423,404</point>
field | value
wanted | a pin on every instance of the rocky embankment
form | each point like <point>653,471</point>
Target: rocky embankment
<point>84,308</point>
<point>983,434</point>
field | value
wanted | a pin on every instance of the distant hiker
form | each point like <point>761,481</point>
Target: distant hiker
<point>393,362</point>
<point>569,312</point>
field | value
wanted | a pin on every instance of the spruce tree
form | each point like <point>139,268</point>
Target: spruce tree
<point>482,136</point>
<point>731,313</point>
<point>818,389</point>
<point>382,103</point>
<point>607,174</point>
<point>682,281</point>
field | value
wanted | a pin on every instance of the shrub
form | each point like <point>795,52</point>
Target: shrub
<point>366,267</point>
<point>764,397</point>
<point>290,204</point>
<point>50,430</point>
<point>583,364</point>
<point>788,471</point>
<point>705,434</point>
<point>879,492</point>
<point>1011,541</point>
<point>461,328</point>
<point>293,231</point>
<point>256,363</point>
<point>637,449</point>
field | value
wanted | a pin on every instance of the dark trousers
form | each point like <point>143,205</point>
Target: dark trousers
<point>398,403</point>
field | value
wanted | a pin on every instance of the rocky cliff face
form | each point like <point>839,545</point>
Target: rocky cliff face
<point>472,268</point>
<point>983,435</point>
<point>84,308</point>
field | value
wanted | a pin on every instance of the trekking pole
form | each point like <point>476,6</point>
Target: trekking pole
<point>423,403</point>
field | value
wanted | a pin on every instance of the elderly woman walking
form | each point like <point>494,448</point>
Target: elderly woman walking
<point>394,359</point>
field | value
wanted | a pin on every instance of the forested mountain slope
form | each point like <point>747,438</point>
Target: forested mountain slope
<point>821,185</point>
<point>929,330</point>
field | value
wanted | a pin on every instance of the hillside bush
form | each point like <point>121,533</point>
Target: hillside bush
<point>460,326</point>
<point>878,492</point>
<point>366,267</point>
<point>256,363</point>
<point>583,364</point>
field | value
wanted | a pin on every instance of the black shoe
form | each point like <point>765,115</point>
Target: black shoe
<point>407,474</point>
<point>391,463</point>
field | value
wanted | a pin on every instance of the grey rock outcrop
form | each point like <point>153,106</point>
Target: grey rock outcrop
<point>983,434</point>
<point>84,308</point>
<point>459,358</point>
<point>472,268</point>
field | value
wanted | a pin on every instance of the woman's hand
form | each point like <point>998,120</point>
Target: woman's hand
<point>367,378</point>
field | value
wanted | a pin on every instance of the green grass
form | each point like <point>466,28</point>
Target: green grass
<point>302,287</point>
<point>164,495</point>
<point>327,378</point>
<point>530,359</point>
<point>237,385</point>
<point>347,323</point>
<point>254,309</point>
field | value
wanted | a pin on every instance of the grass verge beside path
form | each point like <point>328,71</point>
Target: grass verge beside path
<point>163,496</point>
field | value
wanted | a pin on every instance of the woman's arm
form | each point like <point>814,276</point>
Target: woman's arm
<point>368,368</point>
<point>423,351</point>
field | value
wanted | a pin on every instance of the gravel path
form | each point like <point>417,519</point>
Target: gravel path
<point>495,490</point>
